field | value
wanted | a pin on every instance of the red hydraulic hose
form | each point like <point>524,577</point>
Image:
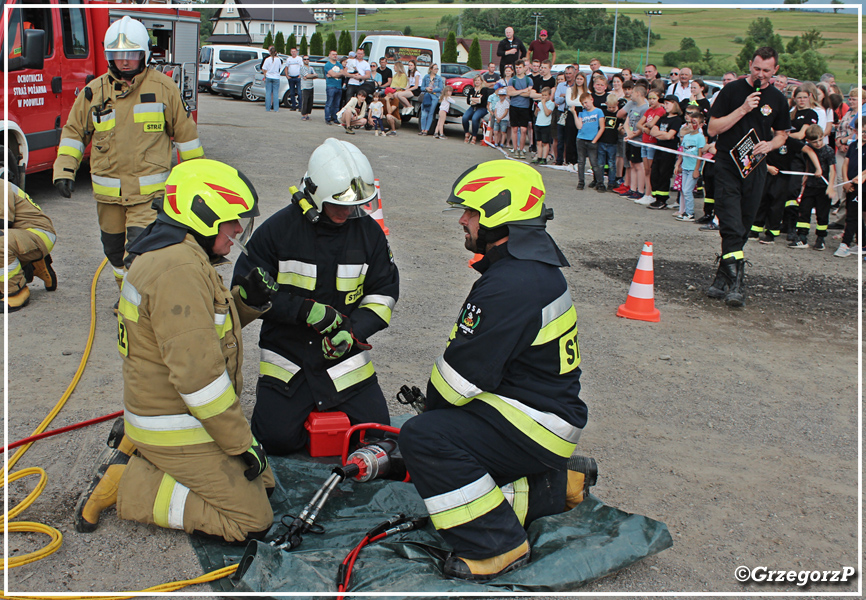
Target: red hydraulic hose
<point>46,434</point>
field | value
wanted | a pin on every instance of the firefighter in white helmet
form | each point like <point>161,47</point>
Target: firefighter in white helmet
<point>188,459</point>
<point>338,286</point>
<point>130,114</point>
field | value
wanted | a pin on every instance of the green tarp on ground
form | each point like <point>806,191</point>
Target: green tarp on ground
<point>568,550</point>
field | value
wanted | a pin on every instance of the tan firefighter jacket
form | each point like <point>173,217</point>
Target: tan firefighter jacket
<point>23,213</point>
<point>131,125</point>
<point>179,332</point>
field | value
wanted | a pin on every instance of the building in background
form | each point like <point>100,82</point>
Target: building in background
<point>240,24</point>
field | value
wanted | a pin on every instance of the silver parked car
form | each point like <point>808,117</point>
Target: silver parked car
<point>320,96</point>
<point>236,81</point>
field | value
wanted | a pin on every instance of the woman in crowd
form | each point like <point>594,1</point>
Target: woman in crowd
<point>413,88</point>
<point>432,85</point>
<point>698,98</point>
<point>572,103</point>
<point>477,100</point>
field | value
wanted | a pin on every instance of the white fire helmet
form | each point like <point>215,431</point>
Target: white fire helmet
<point>126,39</point>
<point>339,173</point>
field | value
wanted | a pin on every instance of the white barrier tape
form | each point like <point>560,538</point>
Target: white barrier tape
<point>663,149</point>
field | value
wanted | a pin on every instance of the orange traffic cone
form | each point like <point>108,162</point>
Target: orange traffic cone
<point>488,135</point>
<point>639,304</point>
<point>475,259</point>
<point>378,214</point>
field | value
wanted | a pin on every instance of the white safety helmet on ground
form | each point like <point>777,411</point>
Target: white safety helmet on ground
<point>339,173</point>
<point>126,39</point>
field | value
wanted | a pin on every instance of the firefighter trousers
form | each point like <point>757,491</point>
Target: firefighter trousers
<point>281,410</point>
<point>24,247</point>
<point>121,224</point>
<point>480,488</point>
<point>737,201</point>
<point>769,215</point>
<point>199,489</point>
<point>818,199</point>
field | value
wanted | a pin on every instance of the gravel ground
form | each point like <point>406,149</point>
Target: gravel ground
<point>737,428</point>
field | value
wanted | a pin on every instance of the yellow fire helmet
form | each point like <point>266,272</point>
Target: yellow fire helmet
<point>201,194</point>
<point>509,196</point>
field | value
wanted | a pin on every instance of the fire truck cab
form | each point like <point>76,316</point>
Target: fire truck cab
<point>55,48</point>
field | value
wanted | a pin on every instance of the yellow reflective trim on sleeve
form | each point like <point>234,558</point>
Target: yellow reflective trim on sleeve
<point>444,388</point>
<point>529,426</point>
<point>382,311</point>
<point>191,149</point>
<point>223,324</point>
<point>129,302</point>
<point>70,147</point>
<point>182,436</point>
<point>216,406</point>
<point>468,512</point>
<point>557,327</point>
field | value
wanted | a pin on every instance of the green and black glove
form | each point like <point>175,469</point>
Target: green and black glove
<point>256,459</point>
<point>257,287</point>
<point>321,317</point>
<point>342,340</point>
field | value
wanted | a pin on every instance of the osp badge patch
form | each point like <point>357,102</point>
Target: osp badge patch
<point>470,319</point>
<point>766,110</point>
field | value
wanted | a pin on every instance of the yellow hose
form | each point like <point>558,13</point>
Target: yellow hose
<point>54,534</point>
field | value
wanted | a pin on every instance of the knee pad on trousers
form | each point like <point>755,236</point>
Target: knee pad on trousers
<point>132,234</point>
<point>112,246</point>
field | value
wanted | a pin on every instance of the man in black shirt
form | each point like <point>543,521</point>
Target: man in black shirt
<point>510,50</point>
<point>740,107</point>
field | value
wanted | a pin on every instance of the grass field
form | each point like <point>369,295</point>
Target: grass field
<point>710,28</point>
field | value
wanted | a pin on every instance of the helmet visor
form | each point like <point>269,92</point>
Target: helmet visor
<point>124,55</point>
<point>241,241</point>
<point>359,197</point>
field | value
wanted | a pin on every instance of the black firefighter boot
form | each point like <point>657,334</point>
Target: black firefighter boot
<point>725,276</point>
<point>736,296</point>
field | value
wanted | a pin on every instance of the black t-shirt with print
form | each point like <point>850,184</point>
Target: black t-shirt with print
<point>665,124</point>
<point>611,125</point>
<point>770,115</point>
<point>539,83</point>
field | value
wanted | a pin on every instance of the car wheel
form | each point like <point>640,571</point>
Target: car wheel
<point>213,91</point>
<point>12,166</point>
<point>286,100</point>
<point>405,118</point>
<point>248,93</point>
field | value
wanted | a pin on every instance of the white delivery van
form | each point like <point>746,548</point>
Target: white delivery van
<point>423,51</point>
<point>211,58</point>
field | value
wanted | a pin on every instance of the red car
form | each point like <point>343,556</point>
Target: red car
<point>461,84</point>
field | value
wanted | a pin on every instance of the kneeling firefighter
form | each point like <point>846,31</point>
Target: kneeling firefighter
<point>494,450</point>
<point>188,459</point>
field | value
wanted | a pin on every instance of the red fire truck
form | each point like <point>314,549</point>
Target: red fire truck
<point>55,48</point>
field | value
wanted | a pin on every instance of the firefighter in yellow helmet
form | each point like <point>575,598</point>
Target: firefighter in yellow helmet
<point>131,114</point>
<point>188,459</point>
<point>27,246</point>
<point>495,448</point>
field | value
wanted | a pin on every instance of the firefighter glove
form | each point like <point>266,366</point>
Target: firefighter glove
<point>65,187</point>
<point>321,317</point>
<point>256,459</point>
<point>257,287</point>
<point>335,346</point>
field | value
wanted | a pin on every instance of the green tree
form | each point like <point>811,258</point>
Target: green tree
<point>361,37</point>
<point>345,44</point>
<point>292,42</point>
<point>806,65</point>
<point>812,39</point>
<point>761,32</point>
<point>304,46</point>
<point>746,55</point>
<point>449,53</point>
<point>794,2</point>
<point>280,43</point>
<point>688,53</point>
<point>316,44</point>
<point>474,60</point>
<point>269,41</point>
<point>407,30</point>
<point>836,10</point>
<point>331,42</point>
<point>795,45</point>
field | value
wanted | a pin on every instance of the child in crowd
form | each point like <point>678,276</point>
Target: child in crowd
<point>376,115</point>
<point>665,131</point>
<point>500,118</point>
<point>444,107</point>
<point>849,170</point>
<point>653,112</point>
<point>607,143</point>
<point>353,112</point>
<point>817,192</point>
<point>693,143</point>
<point>544,114</point>
<point>633,112</point>
<point>590,126</point>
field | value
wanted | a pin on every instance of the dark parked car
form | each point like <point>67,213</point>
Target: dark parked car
<point>453,70</point>
<point>236,81</point>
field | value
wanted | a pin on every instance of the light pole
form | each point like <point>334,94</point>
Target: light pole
<point>536,15</point>
<point>613,48</point>
<point>355,36</point>
<point>649,25</point>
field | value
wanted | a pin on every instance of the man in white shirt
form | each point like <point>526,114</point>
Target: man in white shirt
<point>682,87</point>
<point>293,73</point>
<point>360,76</point>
